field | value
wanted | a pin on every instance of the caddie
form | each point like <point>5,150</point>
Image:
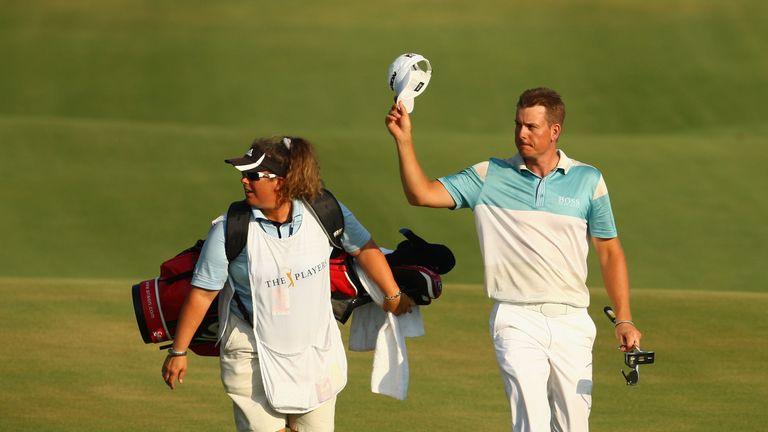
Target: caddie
<point>282,359</point>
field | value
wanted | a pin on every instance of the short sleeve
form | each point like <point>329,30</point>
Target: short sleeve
<point>212,267</point>
<point>355,235</point>
<point>466,185</point>
<point>600,219</point>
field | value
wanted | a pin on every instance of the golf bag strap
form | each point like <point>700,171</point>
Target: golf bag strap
<point>327,210</point>
<point>236,234</point>
<point>235,239</point>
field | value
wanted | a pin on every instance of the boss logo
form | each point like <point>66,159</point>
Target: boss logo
<point>568,201</point>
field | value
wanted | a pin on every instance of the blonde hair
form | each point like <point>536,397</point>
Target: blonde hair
<point>297,156</point>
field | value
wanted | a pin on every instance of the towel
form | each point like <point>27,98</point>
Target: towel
<point>373,329</point>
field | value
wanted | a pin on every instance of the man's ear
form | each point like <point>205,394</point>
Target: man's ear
<point>555,131</point>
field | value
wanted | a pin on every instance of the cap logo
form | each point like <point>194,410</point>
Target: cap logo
<point>249,153</point>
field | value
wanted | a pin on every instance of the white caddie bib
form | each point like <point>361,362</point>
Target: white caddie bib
<point>301,355</point>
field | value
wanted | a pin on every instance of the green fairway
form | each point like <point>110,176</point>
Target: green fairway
<point>115,117</point>
<point>74,360</point>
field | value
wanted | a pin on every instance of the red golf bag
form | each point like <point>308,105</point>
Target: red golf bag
<point>157,303</point>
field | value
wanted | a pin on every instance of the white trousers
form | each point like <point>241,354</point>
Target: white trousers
<point>242,381</point>
<point>544,353</point>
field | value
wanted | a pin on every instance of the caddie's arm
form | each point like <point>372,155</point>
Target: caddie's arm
<point>613,265</point>
<point>419,190</point>
<point>191,315</point>
<point>375,265</point>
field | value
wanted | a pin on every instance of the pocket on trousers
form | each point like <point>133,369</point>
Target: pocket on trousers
<point>238,340</point>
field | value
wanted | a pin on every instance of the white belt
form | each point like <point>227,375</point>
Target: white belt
<point>550,309</point>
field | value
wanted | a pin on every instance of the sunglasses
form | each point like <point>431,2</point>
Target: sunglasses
<point>256,176</point>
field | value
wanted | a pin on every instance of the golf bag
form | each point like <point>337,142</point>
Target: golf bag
<point>157,302</point>
<point>416,266</point>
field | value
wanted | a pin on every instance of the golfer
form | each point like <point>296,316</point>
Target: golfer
<point>535,213</point>
<point>282,358</point>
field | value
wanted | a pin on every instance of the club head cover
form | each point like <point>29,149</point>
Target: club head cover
<point>419,283</point>
<point>416,251</point>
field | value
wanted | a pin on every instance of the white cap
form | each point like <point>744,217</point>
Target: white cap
<point>408,76</point>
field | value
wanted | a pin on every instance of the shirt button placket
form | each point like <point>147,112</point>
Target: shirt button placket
<point>541,189</point>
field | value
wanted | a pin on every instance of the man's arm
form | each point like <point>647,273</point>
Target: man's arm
<point>419,190</point>
<point>613,266</point>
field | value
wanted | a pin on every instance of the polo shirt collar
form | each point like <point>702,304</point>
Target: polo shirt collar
<point>564,164</point>
<point>297,210</point>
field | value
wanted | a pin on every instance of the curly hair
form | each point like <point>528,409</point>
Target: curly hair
<point>297,156</point>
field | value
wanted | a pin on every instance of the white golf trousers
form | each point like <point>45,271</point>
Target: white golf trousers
<point>544,353</point>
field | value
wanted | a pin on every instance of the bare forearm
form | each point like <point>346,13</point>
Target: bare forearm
<point>613,266</point>
<point>418,188</point>
<point>377,268</point>
<point>415,182</point>
<point>616,282</point>
<point>191,315</point>
<point>375,265</point>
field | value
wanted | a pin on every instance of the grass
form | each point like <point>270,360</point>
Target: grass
<point>74,360</point>
<point>115,116</point>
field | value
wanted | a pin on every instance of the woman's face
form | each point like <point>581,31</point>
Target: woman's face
<point>262,192</point>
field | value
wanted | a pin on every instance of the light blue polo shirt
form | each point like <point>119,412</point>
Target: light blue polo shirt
<point>534,231</point>
<point>213,268</point>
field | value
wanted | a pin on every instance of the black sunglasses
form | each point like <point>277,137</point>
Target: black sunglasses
<point>256,176</point>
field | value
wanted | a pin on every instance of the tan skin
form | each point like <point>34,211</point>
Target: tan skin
<point>265,195</point>
<point>536,141</point>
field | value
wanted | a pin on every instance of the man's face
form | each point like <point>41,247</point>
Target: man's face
<point>534,136</point>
